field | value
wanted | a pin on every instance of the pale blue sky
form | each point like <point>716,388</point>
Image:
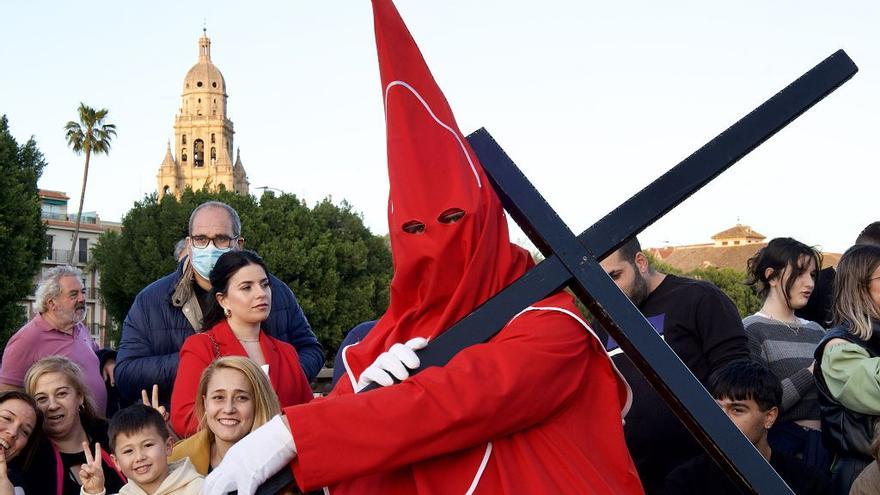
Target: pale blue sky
<point>592,99</point>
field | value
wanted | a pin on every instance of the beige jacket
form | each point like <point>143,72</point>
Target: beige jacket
<point>182,480</point>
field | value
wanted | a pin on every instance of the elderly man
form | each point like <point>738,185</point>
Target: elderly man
<point>170,309</point>
<point>58,329</point>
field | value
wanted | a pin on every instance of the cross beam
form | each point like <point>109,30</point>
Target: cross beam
<point>574,261</point>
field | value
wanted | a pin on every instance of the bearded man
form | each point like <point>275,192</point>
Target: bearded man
<point>58,329</point>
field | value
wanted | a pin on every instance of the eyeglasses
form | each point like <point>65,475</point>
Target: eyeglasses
<point>220,241</point>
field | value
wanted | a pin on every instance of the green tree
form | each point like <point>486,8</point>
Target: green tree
<point>732,283</point>
<point>90,135</point>
<point>339,271</point>
<point>22,230</point>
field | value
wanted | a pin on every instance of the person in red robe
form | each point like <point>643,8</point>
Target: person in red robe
<point>537,409</point>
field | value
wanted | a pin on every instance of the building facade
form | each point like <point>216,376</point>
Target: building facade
<point>60,226</point>
<point>201,155</point>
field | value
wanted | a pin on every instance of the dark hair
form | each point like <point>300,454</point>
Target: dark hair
<point>870,234</point>
<point>227,265</point>
<point>27,453</point>
<point>629,250</point>
<point>744,380</point>
<point>779,254</point>
<point>133,419</point>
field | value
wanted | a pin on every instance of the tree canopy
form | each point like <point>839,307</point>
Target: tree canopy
<point>339,271</point>
<point>22,230</point>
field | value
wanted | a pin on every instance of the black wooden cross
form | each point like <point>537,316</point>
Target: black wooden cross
<point>574,261</point>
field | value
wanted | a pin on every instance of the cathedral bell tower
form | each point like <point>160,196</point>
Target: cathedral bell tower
<point>202,135</point>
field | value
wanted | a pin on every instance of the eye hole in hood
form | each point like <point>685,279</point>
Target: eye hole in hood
<point>451,215</point>
<point>414,227</point>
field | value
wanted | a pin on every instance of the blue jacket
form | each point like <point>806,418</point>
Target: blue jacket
<point>154,331</point>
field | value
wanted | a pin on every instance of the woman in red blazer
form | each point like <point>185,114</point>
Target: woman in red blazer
<point>231,327</point>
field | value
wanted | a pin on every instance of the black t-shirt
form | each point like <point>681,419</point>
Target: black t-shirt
<point>703,327</point>
<point>701,475</point>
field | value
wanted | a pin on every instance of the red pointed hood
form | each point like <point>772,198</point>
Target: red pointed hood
<point>444,266</point>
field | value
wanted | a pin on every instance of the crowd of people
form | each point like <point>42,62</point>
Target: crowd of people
<point>806,396</point>
<point>209,390</point>
<point>818,422</point>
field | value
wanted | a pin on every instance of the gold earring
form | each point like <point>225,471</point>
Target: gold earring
<point>227,313</point>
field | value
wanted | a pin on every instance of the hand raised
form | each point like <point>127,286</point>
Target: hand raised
<point>91,474</point>
<point>154,401</point>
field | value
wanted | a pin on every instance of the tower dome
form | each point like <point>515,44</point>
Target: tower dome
<point>204,88</point>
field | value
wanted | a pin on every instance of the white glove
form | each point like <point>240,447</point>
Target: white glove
<point>253,459</point>
<point>393,362</point>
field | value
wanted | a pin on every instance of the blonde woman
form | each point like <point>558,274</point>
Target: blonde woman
<point>849,360</point>
<point>70,422</point>
<point>234,398</point>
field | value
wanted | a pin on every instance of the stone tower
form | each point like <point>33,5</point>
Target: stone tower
<point>202,135</point>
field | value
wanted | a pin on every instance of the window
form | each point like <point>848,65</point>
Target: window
<point>723,243</point>
<point>198,153</point>
<point>166,191</point>
<point>736,243</point>
<point>183,139</point>
<point>213,154</point>
<point>49,239</point>
<point>214,84</point>
<point>212,138</point>
<point>199,84</point>
<point>183,155</point>
<point>83,251</point>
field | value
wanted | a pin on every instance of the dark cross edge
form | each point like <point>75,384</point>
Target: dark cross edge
<point>574,262</point>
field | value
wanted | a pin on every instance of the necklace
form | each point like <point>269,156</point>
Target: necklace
<point>249,340</point>
<point>793,326</point>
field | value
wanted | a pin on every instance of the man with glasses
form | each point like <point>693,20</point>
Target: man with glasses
<point>170,309</point>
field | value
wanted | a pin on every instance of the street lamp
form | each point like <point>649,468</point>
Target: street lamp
<point>267,188</point>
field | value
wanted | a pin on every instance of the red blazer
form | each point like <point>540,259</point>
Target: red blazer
<point>285,372</point>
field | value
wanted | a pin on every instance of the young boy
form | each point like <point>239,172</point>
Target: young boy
<point>750,395</point>
<point>140,447</point>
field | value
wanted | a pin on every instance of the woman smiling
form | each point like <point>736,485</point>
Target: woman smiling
<point>234,398</point>
<point>69,419</point>
<point>19,423</point>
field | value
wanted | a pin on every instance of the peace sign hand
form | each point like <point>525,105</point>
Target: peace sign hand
<point>154,402</point>
<point>91,474</point>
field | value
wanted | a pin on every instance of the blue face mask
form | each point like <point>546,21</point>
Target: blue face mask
<point>204,259</point>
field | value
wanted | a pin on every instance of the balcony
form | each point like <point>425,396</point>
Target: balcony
<point>61,255</point>
<point>68,218</point>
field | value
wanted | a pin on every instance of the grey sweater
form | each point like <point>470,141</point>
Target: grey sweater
<point>787,352</point>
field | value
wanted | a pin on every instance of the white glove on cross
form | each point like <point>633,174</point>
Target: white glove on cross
<point>393,364</point>
<point>253,459</point>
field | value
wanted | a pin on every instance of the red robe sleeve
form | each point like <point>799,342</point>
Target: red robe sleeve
<point>195,355</point>
<point>528,372</point>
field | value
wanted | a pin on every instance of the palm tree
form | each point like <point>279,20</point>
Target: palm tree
<point>89,135</point>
